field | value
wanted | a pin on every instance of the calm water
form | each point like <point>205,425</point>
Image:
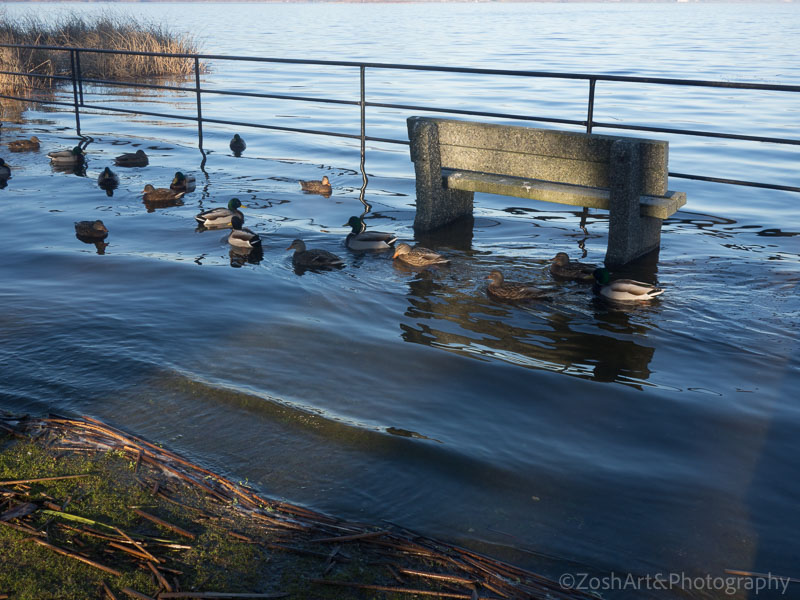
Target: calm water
<point>564,436</point>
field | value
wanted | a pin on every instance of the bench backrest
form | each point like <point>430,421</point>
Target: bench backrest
<point>561,156</point>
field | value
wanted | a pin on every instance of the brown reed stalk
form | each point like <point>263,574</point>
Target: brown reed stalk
<point>111,31</point>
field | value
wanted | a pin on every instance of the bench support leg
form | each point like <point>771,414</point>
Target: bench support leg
<point>630,235</point>
<point>436,205</point>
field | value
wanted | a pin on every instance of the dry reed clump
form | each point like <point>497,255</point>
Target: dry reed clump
<point>109,31</point>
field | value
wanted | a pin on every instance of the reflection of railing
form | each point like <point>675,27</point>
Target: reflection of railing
<point>77,80</point>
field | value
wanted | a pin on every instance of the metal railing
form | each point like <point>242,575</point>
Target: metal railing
<point>77,80</point>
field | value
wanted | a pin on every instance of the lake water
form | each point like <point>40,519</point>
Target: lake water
<point>565,436</point>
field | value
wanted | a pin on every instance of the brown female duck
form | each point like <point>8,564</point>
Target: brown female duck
<point>132,159</point>
<point>91,230</point>
<point>322,186</point>
<point>562,267</point>
<point>24,145</point>
<point>418,256</point>
<point>313,258</point>
<point>512,292</point>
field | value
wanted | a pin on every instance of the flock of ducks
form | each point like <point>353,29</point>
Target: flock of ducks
<point>359,239</point>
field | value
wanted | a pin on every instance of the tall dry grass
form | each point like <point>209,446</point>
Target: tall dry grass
<point>108,31</point>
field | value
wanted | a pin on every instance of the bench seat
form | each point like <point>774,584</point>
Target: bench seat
<point>659,207</point>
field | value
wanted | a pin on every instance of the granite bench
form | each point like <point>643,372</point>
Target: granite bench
<point>627,176</point>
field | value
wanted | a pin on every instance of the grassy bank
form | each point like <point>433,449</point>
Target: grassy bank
<point>108,31</point>
<point>88,511</point>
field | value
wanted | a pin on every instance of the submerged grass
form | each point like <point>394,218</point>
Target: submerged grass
<point>107,31</point>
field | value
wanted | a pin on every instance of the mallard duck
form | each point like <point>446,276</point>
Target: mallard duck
<point>76,156</point>
<point>241,236</point>
<point>361,239</point>
<point>418,256</point>
<point>182,183</point>
<point>24,145</point>
<point>159,195</point>
<point>107,179</point>
<point>221,217</point>
<point>91,230</point>
<point>5,170</point>
<point>237,144</point>
<point>315,258</point>
<point>562,267</point>
<point>132,159</point>
<point>623,290</point>
<point>317,186</point>
<point>512,292</point>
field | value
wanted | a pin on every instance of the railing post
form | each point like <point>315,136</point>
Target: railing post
<point>72,61</point>
<point>79,75</point>
<point>199,104</point>
<point>589,123</point>
<point>590,114</point>
<point>363,104</point>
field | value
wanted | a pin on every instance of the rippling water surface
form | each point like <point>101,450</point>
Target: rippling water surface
<point>564,435</point>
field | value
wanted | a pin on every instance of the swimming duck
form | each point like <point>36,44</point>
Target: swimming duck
<point>361,239</point>
<point>107,179</point>
<point>76,156</point>
<point>562,267</point>
<point>5,170</point>
<point>322,186</point>
<point>182,183</point>
<point>418,256</point>
<point>24,145</point>
<point>237,145</point>
<point>92,230</point>
<point>315,258</point>
<point>623,290</point>
<point>241,236</point>
<point>132,159</point>
<point>160,195</point>
<point>500,290</point>
<point>221,217</point>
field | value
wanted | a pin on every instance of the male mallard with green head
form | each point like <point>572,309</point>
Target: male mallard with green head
<point>322,186</point>
<point>499,289</point>
<point>237,145</point>
<point>182,183</point>
<point>313,258</point>
<point>623,290</point>
<point>418,256</point>
<point>24,145</point>
<point>241,236</point>
<point>361,239</point>
<point>132,159</point>
<point>562,267</point>
<point>76,156</point>
<point>91,230</point>
<point>221,217</point>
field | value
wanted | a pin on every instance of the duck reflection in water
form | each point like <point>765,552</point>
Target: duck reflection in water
<point>454,315</point>
<point>244,256</point>
<point>78,169</point>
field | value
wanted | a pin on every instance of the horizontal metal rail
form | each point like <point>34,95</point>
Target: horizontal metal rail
<point>78,81</point>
